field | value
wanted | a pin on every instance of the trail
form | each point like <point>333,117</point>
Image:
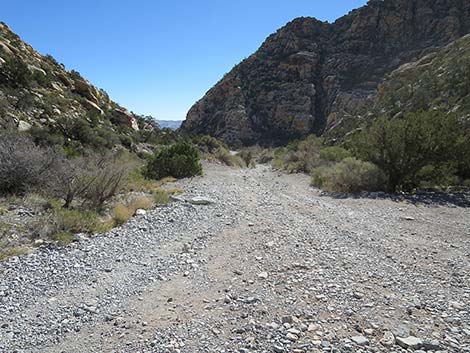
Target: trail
<point>270,266</point>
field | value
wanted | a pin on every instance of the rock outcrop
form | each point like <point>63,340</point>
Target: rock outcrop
<point>311,75</point>
<point>37,93</point>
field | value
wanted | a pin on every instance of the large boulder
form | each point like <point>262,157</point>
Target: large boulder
<point>91,106</point>
<point>123,117</point>
<point>86,90</point>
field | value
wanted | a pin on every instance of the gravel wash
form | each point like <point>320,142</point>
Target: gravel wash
<point>262,263</point>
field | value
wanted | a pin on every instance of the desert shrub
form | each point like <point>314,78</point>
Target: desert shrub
<point>14,73</point>
<point>23,165</point>
<point>437,176</point>
<point>41,79</point>
<point>299,156</point>
<point>26,101</point>
<point>61,224</point>
<point>93,178</point>
<point>42,136</point>
<point>265,156</point>
<point>98,137</point>
<point>7,251</point>
<point>334,154</point>
<point>208,144</point>
<point>71,180</point>
<point>226,157</point>
<point>161,197</point>
<point>247,157</point>
<point>401,147</point>
<point>107,175</point>
<point>76,221</point>
<point>141,203</point>
<point>180,160</point>
<point>137,182</point>
<point>121,213</point>
<point>349,176</point>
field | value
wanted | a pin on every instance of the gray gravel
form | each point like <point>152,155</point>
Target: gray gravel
<point>267,264</point>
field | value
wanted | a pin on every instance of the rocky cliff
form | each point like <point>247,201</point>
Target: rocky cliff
<point>311,76</point>
<point>37,94</point>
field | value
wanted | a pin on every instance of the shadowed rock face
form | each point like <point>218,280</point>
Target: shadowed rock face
<point>309,75</point>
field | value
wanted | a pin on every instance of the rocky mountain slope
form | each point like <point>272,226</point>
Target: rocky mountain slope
<point>38,94</point>
<point>310,76</point>
<point>437,81</point>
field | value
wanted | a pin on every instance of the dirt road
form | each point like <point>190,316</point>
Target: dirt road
<point>269,266</point>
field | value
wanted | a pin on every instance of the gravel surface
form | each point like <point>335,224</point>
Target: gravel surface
<point>260,262</point>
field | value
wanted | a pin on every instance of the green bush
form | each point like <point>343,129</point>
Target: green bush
<point>334,154</point>
<point>14,73</point>
<point>180,160</point>
<point>226,157</point>
<point>247,157</point>
<point>349,176</point>
<point>299,156</point>
<point>61,225</point>
<point>208,144</point>
<point>401,147</point>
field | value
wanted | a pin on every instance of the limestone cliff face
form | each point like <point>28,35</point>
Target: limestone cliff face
<point>310,76</point>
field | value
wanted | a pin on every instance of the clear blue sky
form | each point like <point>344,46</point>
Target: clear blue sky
<point>157,57</point>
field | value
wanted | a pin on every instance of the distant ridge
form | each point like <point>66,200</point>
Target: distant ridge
<point>170,124</point>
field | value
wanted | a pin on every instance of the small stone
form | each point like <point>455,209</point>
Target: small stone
<point>312,327</point>
<point>294,331</point>
<point>457,305</point>
<point>409,342</point>
<point>431,346</point>
<point>388,339</point>
<point>358,295</point>
<point>200,200</point>
<point>288,319</point>
<point>140,212</point>
<point>263,275</point>
<point>272,325</point>
<point>251,300</point>
<point>292,337</point>
<point>278,349</point>
<point>360,340</point>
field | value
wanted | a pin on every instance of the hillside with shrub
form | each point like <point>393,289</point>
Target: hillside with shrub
<point>60,107</point>
<point>72,159</point>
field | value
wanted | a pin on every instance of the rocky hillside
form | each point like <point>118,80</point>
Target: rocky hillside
<point>311,76</point>
<point>437,81</point>
<point>37,94</point>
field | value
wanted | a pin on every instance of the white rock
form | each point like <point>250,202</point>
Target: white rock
<point>263,275</point>
<point>360,340</point>
<point>409,342</point>
<point>200,200</point>
<point>388,339</point>
<point>24,126</point>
